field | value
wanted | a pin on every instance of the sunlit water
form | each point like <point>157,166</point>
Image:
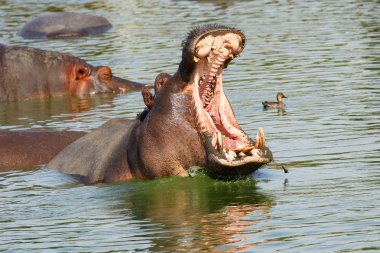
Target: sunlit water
<point>324,55</point>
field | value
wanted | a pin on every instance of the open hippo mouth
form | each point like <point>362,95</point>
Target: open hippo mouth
<point>230,151</point>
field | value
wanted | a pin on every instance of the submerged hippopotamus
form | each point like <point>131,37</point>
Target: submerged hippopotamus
<point>64,24</point>
<point>190,123</point>
<point>29,73</point>
<point>24,149</point>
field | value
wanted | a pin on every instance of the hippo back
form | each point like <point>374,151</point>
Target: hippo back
<point>64,24</point>
<point>98,156</point>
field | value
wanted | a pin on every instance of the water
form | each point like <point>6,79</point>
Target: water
<point>325,56</point>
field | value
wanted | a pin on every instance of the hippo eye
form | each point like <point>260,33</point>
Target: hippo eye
<point>106,77</point>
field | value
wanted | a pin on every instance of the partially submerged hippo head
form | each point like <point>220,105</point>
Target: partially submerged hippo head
<point>198,83</point>
<point>29,73</point>
<point>83,79</point>
<point>189,123</point>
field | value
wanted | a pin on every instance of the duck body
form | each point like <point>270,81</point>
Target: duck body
<point>277,104</point>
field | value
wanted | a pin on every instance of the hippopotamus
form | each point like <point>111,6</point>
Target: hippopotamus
<point>24,149</point>
<point>190,124</point>
<point>30,73</point>
<point>64,24</point>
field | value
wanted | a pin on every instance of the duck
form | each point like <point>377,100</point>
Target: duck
<point>279,102</point>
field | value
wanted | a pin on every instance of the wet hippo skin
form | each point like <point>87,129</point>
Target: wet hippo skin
<point>31,73</point>
<point>64,24</point>
<point>188,122</point>
<point>29,148</point>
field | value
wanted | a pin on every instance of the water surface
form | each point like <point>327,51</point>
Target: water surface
<point>325,56</point>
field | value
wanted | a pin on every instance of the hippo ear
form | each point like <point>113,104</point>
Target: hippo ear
<point>82,72</point>
<point>148,97</point>
<point>160,80</point>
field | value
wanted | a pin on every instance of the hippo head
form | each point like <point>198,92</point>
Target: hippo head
<point>229,152</point>
<point>85,79</point>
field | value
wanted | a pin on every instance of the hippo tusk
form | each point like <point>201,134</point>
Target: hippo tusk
<point>246,150</point>
<point>220,142</point>
<point>260,139</point>
<point>214,140</point>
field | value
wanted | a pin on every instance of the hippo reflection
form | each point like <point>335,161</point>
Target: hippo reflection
<point>204,213</point>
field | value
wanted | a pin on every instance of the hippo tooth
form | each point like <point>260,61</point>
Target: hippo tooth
<point>216,65</point>
<point>214,68</point>
<point>218,62</point>
<point>220,59</point>
<point>237,150</point>
<point>214,140</point>
<point>246,150</point>
<point>220,142</point>
<point>231,56</point>
<point>230,155</point>
<point>196,59</point>
<point>260,139</point>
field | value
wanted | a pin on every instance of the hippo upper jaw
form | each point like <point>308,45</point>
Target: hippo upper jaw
<point>230,152</point>
<point>103,81</point>
<point>121,85</point>
<point>99,87</point>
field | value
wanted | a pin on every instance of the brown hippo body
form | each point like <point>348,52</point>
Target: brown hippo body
<point>30,73</point>
<point>24,149</point>
<point>190,124</point>
<point>64,24</point>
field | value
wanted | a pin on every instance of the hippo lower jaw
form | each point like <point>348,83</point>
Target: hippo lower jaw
<point>237,162</point>
<point>230,151</point>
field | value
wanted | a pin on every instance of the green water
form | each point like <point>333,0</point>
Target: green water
<point>324,55</point>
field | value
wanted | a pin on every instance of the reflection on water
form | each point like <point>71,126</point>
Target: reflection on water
<point>186,208</point>
<point>279,110</point>
<point>191,214</point>
<point>82,104</point>
<point>30,114</point>
<point>324,55</point>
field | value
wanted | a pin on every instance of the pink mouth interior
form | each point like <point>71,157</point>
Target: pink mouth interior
<point>213,108</point>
